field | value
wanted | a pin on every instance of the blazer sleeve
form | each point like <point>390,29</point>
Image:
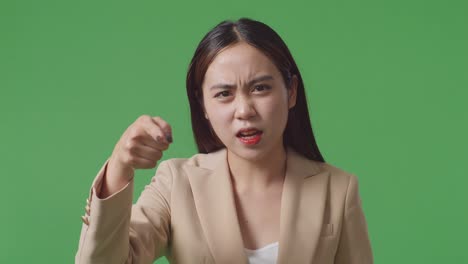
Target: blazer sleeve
<point>119,232</point>
<point>354,246</point>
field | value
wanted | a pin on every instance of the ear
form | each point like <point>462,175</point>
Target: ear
<point>292,92</point>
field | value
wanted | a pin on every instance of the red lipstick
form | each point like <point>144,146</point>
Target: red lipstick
<point>249,136</point>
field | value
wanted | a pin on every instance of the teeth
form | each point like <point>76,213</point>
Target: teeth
<point>249,133</point>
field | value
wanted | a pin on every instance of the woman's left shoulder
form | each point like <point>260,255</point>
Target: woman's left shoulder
<point>339,178</point>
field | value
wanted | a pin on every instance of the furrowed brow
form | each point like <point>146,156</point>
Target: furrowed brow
<point>223,86</point>
<point>260,79</point>
<point>250,83</point>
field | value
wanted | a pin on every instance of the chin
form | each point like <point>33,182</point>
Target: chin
<point>249,153</point>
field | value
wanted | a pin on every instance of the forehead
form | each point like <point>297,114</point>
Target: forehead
<point>239,62</point>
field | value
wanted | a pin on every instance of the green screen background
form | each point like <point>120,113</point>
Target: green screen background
<point>386,83</point>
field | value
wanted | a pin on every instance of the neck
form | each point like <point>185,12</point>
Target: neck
<point>260,174</point>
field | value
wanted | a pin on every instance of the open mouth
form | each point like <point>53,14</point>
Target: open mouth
<point>249,134</point>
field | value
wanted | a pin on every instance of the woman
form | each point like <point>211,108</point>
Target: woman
<point>259,191</point>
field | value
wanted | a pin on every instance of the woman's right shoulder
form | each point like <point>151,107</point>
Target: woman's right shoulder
<point>200,160</point>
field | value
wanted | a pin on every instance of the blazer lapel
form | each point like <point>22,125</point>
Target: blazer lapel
<point>214,201</point>
<point>302,209</point>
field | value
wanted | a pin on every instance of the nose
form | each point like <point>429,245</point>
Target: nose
<point>244,108</point>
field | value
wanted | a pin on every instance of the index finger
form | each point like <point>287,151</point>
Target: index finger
<point>165,127</point>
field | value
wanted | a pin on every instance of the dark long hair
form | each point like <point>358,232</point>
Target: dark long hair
<point>298,132</point>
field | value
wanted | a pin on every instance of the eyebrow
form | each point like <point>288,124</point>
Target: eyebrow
<point>250,83</point>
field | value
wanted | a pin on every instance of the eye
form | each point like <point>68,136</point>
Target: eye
<point>262,87</point>
<point>222,94</point>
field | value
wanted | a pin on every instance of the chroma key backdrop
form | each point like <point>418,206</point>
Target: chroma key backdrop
<point>386,83</point>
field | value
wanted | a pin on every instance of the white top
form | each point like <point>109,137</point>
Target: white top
<point>265,255</point>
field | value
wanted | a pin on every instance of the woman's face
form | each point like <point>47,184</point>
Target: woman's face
<point>244,89</point>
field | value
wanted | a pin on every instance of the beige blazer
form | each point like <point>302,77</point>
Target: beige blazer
<point>187,213</point>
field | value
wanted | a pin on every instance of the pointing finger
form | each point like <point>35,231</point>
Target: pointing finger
<point>166,128</point>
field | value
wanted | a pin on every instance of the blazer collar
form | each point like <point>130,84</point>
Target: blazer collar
<point>302,207</point>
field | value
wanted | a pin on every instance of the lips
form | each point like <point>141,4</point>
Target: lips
<point>245,132</point>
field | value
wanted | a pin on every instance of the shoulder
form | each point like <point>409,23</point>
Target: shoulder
<point>342,183</point>
<point>201,160</point>
<point>338,178</point>
<point>337,174</point>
